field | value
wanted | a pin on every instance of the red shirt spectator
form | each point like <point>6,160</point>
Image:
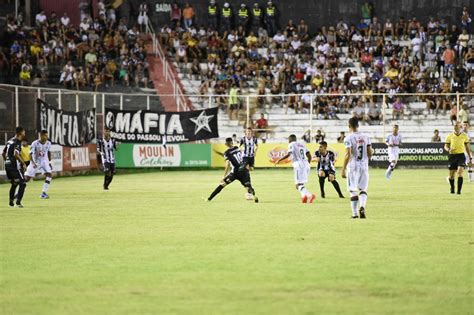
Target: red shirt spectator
<point>262,123</point>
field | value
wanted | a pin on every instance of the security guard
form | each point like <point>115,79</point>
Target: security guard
<point>243,16</point>
<point>226,17</point>
<point>270,18</point>
<point>212,15</point>
<point>256,18</point>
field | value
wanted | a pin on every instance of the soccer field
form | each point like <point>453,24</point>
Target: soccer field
<point>151,245</point>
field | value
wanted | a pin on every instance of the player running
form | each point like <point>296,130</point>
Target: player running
<point>325,159</point>
<point>249,142</point>
<point>301,158</point>
<point>235,170</point>
<point>14,167</point>
<point>106,148</point>
<point>40,157</point>
<point>468,163</point>
<point>457,144</point>
<point>356,162</point>
<point>393,141</point>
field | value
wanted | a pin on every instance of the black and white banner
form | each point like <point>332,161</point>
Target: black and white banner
<point>412,154</point>
<point>165,127</point>
<point>69,129</point>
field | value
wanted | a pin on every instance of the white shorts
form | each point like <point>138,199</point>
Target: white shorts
<point>42,166</point>
<point>301,173</point>
<point>393,153</point>
<point>142,19</point>
<point>357,179</point>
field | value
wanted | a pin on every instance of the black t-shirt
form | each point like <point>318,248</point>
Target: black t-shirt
<point>13,147</point>
<point>234,156</point>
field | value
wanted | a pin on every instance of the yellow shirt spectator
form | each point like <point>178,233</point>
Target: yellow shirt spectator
<point>251,40</point>
<point>392,73</point>
<point>457,142</point>
<point>35,50</point>
<point>317,81</point>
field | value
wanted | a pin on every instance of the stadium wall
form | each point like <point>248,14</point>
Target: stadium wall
<point>318,13</point>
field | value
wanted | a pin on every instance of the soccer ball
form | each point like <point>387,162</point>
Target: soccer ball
<point>248,196</point>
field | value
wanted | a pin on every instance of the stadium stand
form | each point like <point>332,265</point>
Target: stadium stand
<point>405,56</point>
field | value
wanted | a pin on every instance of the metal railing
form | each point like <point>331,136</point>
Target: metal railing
<point>168,71</point>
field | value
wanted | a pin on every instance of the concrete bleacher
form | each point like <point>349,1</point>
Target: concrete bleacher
<point>281,125</point>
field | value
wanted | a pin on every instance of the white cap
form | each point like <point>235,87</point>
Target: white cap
<point>226,4</point>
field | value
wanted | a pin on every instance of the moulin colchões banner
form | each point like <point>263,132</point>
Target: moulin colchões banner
<point>70,129</point>
<point>161,127</point>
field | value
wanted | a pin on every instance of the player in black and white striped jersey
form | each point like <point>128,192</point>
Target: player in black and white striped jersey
<point>106,148</point>
<point>250,144</point>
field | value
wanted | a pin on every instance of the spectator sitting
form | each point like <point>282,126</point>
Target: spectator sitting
<point>320,136</point>
<point>398,109</point>
<point>341,137</point>
<point>261,125</point>
<point>436,137</point>
<point>374,114</point>
<point>359,111</point>
<point>307,136</point>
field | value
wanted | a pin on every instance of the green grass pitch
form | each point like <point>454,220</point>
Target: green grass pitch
<point>151,245</point>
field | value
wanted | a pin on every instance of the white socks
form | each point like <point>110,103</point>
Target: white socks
<point>363,199</point>
<point>46,184</point>
<point>354,203</point>
<point>303,191</point>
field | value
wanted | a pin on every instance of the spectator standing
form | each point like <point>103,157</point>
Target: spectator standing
<point>226,19</point>
<point>243,16</point>
<point>143,15</point>
<point>466,19</point>
<point>233,110</point>
<point>175,14</point>
<point>212,15</point>
<point>188,16</point>
<point>367,12</point>
<point>271,18</point>
<point>256,17</point>
<point>398,109</point>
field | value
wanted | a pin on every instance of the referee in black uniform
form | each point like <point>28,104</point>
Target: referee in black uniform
<point>15,166</point>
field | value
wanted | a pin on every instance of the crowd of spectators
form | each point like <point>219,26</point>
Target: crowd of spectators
<point>293,65</point>
<point>102,51</point>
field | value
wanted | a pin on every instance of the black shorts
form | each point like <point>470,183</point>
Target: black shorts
<point>109,168</point>
<point>327,172</point>
<point>15,175</point>
<point>243,176</point>
<point>456,160</point>
<point>249,160</point>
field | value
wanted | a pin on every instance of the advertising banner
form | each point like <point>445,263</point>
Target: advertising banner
<point>69,129</point>
<point>161,127</point>
<point>171,155</point>
<point>80,158</point>
<point>412,154</point>
<point>269,153</point>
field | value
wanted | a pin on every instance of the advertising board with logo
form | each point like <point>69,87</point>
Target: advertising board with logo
<point>269,153</point>
<point>80,158</point>
<point>171,155</point>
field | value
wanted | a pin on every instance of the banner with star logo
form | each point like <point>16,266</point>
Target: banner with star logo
<point>144,126</point>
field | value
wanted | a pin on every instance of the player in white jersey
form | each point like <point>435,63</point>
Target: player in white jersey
<point>393,141</point>
<point>40,153</point>
<point>301,159</point>
<point>469,166</point>
<point>356,167</point>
